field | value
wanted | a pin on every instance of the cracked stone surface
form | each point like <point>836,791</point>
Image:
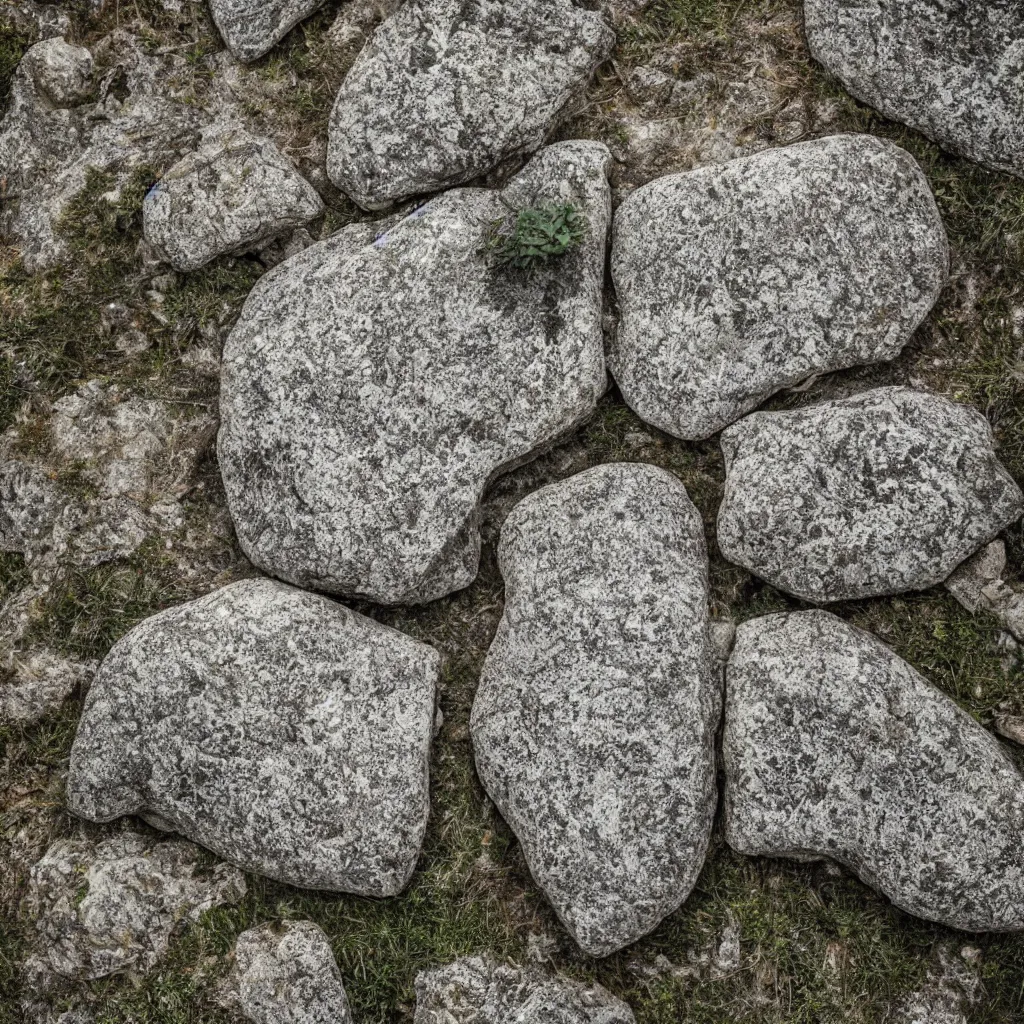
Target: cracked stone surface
<point>593,726</point>
<point>475,990</point>
<point>447,89</point>
<point>277,728</point>
<point>951,69</point>
<point>835,747</point>
<point>250,28</point>
<point>236,193</point>
<point>739,280</point>
<point>881,493</point>
<point>377,382</point>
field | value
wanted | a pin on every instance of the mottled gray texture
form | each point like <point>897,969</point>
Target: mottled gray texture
<point>374,386</point>
<point>968,581</point>
<point>62,73</point>
<point>877,494</point>
<point>952,69</point>
<point>286,974</point>
<point>736,281</point>
<point>38,682</point>
<point>835,747</point>
<point>251,27</point>
<point>446,89</point>
<point>475,990</point>
<point>233,194</point>
<point>593,725</point>
<point>283,731</point>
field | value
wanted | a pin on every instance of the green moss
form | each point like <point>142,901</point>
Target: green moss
<point>13,45</point>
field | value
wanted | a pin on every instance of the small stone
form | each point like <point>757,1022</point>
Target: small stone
<point>62,72</point>
<point>283,731</point>
<point>881,493</point>
<point>39,683</point>
<point>1010,727</point>
<point>251,28</point>
<point>968,581</point>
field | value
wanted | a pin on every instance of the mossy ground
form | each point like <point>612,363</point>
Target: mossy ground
<point>817,945</point>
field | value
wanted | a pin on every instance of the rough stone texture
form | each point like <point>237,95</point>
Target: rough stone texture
<point>377,382</point>
<point>111,905</point>
<point>739,280</point>
<point>968,581</point>
<point>252,27</point>
<point>285,732</point>
<point>286,974</point>
<point>880,493</point>
<point>447,89</point>
<point>594,722</point>
<point>478,991</point>
<point>233,194</point>
<point>835,747</point>
<point>952,69</point>
<point>39,682</point>
<point>61,73</point>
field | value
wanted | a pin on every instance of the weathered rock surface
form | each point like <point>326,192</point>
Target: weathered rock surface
<point>61,73</point>
<point>38,682</point>
<point>835,747</point>
<point>233,194</point>
<point>286,974</point>
<point>478,991</point>
<point>111,905</point>
<point>445,90</point>
<point>377,382</point>
<point>284,732</point>
<point>880,493</point>
<point>736,281</point>
<point>948,68</point>
<point>252,27</point>
<point>594,722</point>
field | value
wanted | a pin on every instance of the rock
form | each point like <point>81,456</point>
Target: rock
<point>950,69</point>
<point>104,906</point>
<point>446,89</point>
<point>594,722</point>
<point>1010,727</point>
<point>377,382</point>
<point>948,993</point>
<point>60,72</point>
<point>40,681</point>
<point>234,194</point>
<point>286,974</point>
<point>478,991</point>
<point>252,27</point>
<point>284,732</point>
<point>881,493</point>
<point>736,281</point>
<point>835,747</point>
<point>969,580</point>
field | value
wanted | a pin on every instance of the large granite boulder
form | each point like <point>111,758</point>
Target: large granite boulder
<point>283,731</point>
<point>252,27</point>
<point>594,722</point>
<point>447,89</point>
<point>835,747</point>
<point>738,280</point>
<point>952,69</point>
<point>880,493</point>
<point>475,990</point>
<point>377,382</point>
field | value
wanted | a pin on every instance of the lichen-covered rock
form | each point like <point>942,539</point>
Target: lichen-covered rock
<point>377,382</point>
<point>951,69</point>
<point>736,281</point>
<point>284,732</point>
<point>252,27</point>
<point>880,493</point>
<point>594,722</point>
<point>286,974</point>
<point>835,747</point>
<point>475,990</point>
<point>446,89</point>
<point>110,905</point>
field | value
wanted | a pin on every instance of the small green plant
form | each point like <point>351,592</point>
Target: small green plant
<point>536,235</point>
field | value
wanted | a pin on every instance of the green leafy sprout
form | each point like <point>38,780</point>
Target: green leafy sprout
<point>536,235</point>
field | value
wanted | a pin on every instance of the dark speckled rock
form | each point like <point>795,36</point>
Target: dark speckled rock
<point>835,747</point>
<point>739,280</point>
<point>881,493</point>
<point>952,69</point>
<point>594,723</point>
<point>281,730</point>
<point>251,27</point>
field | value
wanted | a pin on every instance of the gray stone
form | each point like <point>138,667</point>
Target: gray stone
<point>377,382</point>
<point>835,747</point>
<point>737,281</point>
<point>39,681</point>
<point>447,89</point>
<point>968,581</point>
<point>881,493</point>
<point>286,974</point>
<point>474,990</point>
<point>251,28</point>
<point>951,69</point>
<point>594,721</point>
<point>61,72</point>
<point>284,732</point>
<point>235,193</point>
